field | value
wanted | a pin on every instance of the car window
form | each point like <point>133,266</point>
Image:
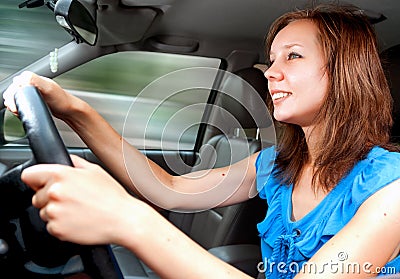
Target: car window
<point>122,88</point>
<point>26,35</point>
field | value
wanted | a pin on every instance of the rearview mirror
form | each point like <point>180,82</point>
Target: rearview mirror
<point>77,20</point>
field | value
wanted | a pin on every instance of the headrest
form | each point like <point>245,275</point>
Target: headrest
<point>391,65</point>
<point>244,98</point>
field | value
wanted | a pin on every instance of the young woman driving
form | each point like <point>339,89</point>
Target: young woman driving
<point>333,194</point>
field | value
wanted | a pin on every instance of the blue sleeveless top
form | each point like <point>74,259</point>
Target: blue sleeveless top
<point>285,244</point>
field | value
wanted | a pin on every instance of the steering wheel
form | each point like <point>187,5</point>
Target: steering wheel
<point>47,148</point>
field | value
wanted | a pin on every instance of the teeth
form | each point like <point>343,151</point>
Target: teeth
<point>279,95</point>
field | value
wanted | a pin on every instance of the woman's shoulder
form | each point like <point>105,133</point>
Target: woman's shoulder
<point>378,169</point>
<point>265,164</point>
<point>379,161</point>
<point>266,156</point>
<point>382,154</point>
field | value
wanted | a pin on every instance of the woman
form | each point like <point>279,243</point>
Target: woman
<point>333,197</point>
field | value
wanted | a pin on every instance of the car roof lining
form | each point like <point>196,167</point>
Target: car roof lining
<point>243,27</point>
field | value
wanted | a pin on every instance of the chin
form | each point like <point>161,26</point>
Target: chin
<point>283,118</point>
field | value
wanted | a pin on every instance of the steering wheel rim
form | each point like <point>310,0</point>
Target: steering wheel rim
<point>48,148</point>
<point>44,139</point>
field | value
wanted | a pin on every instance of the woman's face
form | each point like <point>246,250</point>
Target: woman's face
<point>297,78</point>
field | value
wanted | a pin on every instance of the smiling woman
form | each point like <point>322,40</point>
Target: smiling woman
<point>334,171</point>
<point>302,54</point>
<point>26,35</point>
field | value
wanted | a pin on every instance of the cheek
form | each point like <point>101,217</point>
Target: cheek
<point>316,84</point>
<point>312,90</point>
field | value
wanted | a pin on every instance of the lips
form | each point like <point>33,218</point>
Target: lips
<point>279,95</point>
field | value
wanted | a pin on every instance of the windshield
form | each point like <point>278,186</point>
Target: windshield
<point>26,35</point>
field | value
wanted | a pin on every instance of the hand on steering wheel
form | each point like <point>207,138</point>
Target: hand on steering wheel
<point>47,148</point>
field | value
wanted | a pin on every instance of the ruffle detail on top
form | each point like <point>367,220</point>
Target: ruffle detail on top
<point>295,242</point>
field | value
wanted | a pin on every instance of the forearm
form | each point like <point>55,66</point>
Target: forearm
<point>105,142</point>
<point>177,255</point>
<point>195,191</point>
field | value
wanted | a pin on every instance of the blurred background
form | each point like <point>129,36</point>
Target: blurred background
<point>26,35</point>
<point>162,117</point>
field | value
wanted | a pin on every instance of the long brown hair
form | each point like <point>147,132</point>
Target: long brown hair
<point>357,111</point>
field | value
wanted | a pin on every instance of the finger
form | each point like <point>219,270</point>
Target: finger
<point>38,176</point>
<point>25,78</point>
<point>80,163</point>
<point>43,214</point>
<point>8,97</point>
<point>18,82</point>
<point>51,192</point>
<point>49,212</point>
<point>42,83</point>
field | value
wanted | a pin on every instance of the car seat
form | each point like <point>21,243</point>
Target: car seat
<point>224,225</point>
<point>228,232</point>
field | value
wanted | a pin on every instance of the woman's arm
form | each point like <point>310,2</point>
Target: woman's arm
<point>201,190</point>
<point>365,244</point>
<point>177,255</point>
<point>194,191</point>
<point>86,206</point>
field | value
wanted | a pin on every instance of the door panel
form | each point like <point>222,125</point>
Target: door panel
<point>11,156</point>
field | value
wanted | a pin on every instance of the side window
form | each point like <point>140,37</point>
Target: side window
<point>144,96</point>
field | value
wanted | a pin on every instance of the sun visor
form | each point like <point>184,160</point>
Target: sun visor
<point>120,24</point>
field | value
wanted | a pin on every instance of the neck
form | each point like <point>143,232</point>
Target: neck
<point>312,135</point>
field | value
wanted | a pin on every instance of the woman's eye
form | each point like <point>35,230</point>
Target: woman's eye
<point>293,55</point>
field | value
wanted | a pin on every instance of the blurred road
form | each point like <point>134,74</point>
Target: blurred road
<point>26,35</point>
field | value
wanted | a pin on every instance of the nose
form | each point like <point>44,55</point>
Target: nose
<point>273,73</point>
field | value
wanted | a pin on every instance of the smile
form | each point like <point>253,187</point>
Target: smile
<point>280,95</point>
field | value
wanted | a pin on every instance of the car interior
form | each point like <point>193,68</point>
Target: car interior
<point>180,80</point>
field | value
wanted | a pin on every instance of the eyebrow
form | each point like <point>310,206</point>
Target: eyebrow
<point>288,46</point>
<point>292,45</point>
